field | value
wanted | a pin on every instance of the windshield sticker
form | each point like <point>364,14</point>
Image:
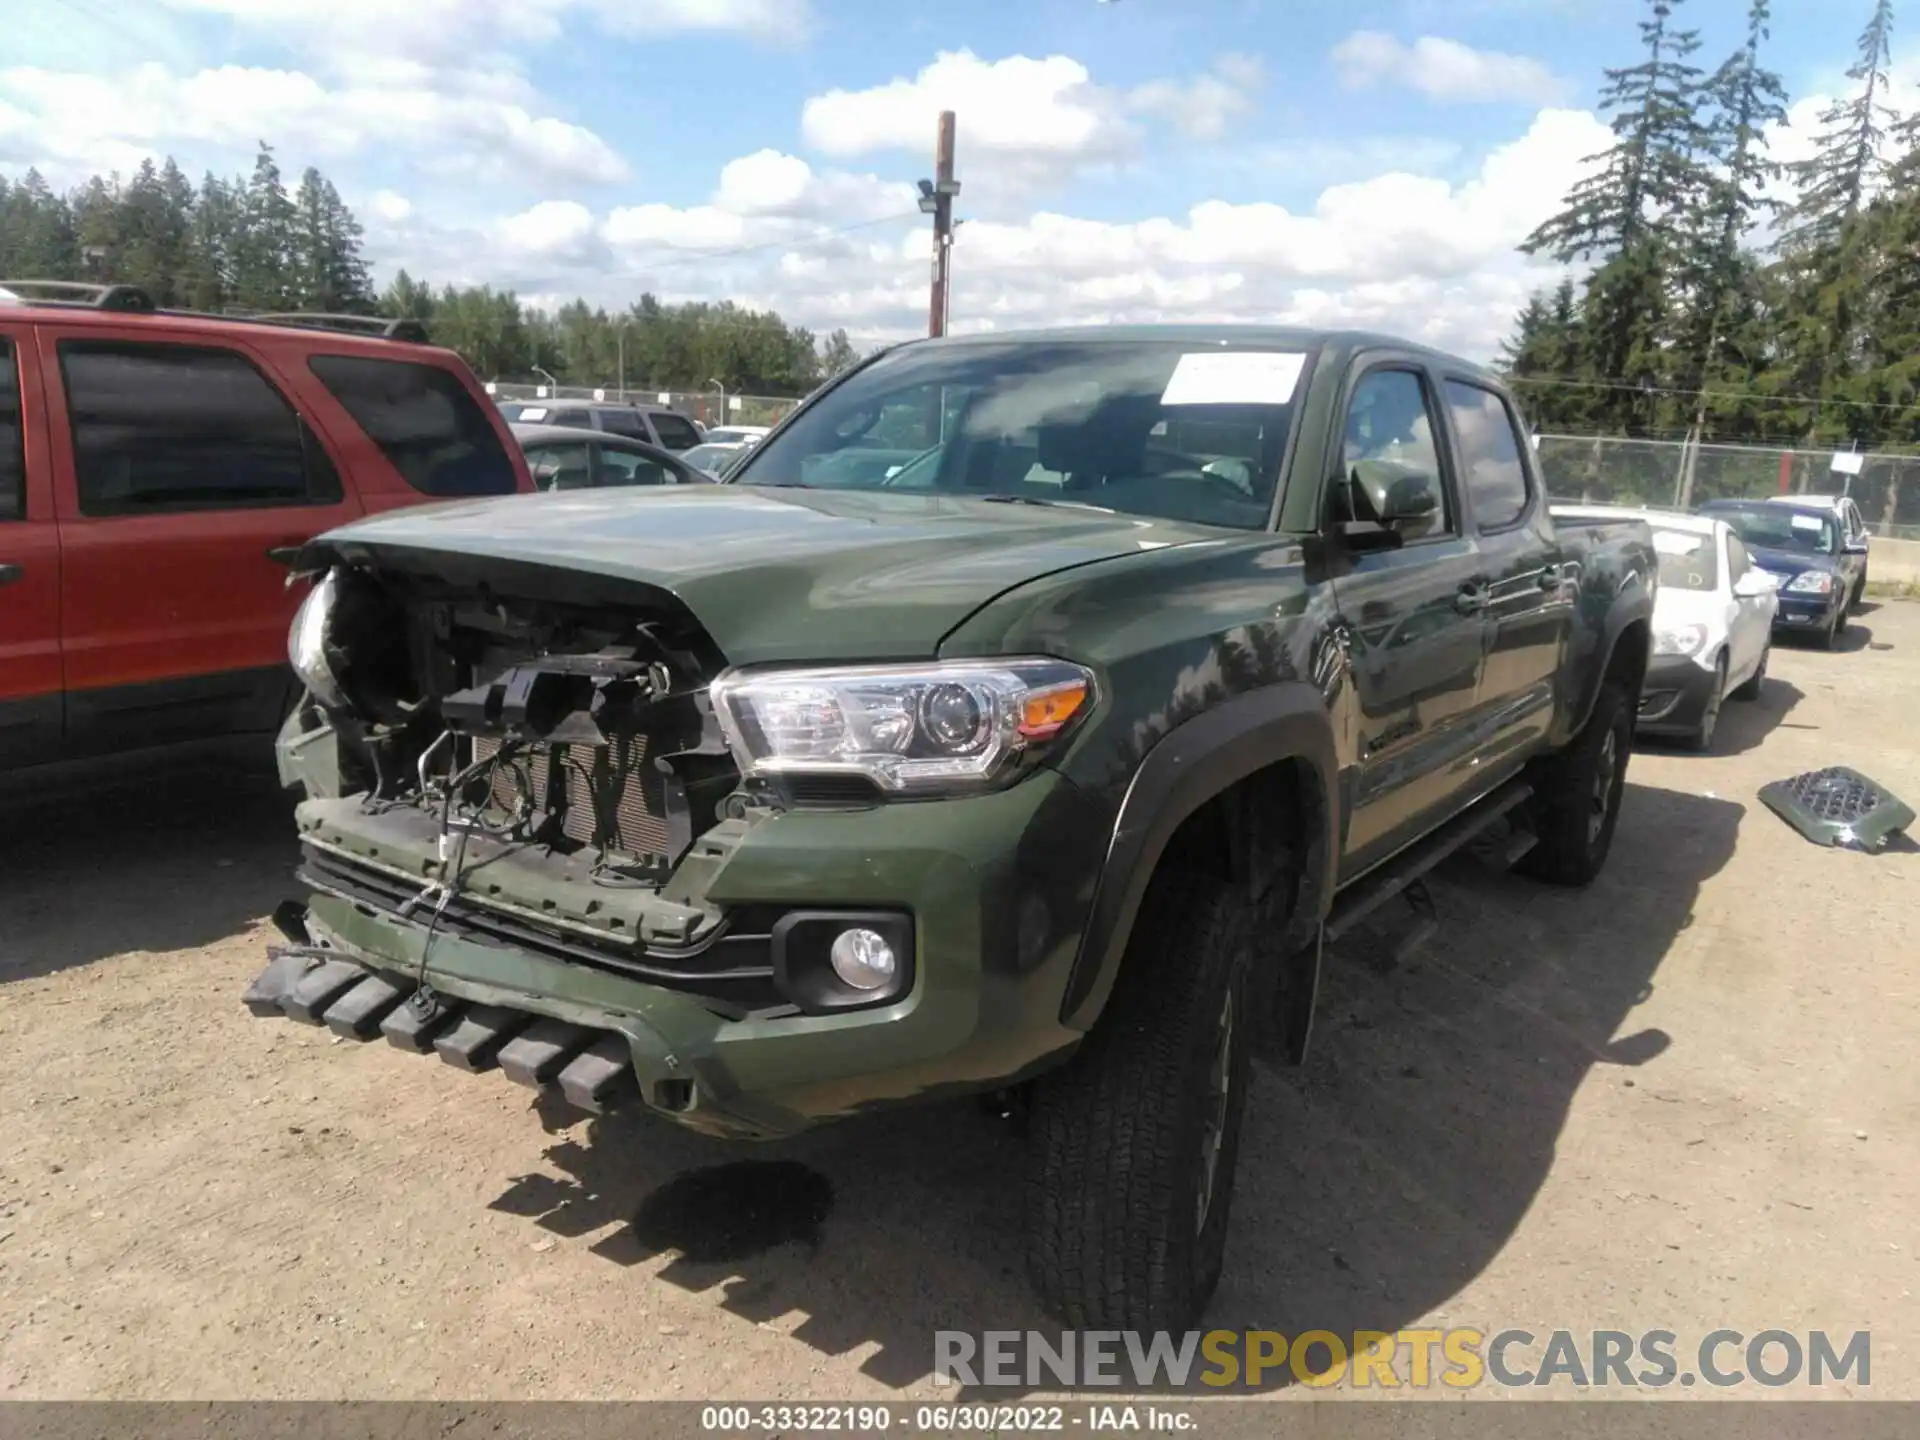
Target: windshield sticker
<point>1234,377</point>
<point>1807,522</point>
<point>1674,542</point>
<point>533,414</point>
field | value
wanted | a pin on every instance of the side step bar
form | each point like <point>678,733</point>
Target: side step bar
<point>591,1069</point>
<point>1393,877</point>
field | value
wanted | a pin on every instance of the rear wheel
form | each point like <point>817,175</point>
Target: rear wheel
<point>1135,1141</point>
<point>1576,803</point>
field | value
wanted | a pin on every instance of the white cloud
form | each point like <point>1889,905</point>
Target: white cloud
<point>452,31</point>
<point>551,229</point>
<point>1401,252</point>
<point>1025,120</point>
<point>68,122</point>
<point>1444,69</point>
<point>389,206</point>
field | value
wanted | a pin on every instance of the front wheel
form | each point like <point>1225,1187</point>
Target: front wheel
<point>1576,802</point>
<point>1751,686</point>
<point>1702,737</point>
<point>1135,1141</point>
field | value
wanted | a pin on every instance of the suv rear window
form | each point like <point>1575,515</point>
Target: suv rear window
<point>676,432</point>
<point>424,421</point>
<point>161,427</point>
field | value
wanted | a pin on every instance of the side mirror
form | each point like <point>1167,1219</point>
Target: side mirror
<point>1854,547</point>
<point>1754,584</point>
<point>1402,498</point>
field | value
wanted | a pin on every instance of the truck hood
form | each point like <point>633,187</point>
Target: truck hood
<point>775,573</point>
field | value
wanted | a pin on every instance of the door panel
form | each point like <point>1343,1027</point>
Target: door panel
<point>1414,631</point>
<point>182,467</point>
<point>31,707</point>
<point>1528,614</point>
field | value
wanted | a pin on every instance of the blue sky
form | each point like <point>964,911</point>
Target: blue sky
<point>1372,162</point>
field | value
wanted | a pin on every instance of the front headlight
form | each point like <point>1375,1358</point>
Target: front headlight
<point>1811,582</point>
<point>1679,640</point>
<point>909,729</point>
<point>307,644</point>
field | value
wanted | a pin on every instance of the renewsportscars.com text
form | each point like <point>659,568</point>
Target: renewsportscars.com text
<point>1459,1359</point>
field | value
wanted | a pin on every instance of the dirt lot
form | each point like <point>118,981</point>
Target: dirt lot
<point>1687,1098</point>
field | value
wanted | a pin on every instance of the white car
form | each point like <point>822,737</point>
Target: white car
<point>1712,622</point>
<point>737,434</point>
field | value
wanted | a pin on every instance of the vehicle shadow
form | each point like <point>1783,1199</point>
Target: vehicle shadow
<point>1855,638</point>
<point>1744,724</point>
<point>1374,1183</point>
<point>106,858</point>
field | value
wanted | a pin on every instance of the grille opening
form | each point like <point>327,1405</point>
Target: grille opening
<point>604,797</point>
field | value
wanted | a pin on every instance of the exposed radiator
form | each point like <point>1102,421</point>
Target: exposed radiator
<point>610,796</point>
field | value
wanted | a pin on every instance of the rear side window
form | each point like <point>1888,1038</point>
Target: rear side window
<point>13,459</point>
<point>624,422</point>
<point>676,432</point>
<point>424,421</point>
<point>183,427</point>
<point>1496,479</point>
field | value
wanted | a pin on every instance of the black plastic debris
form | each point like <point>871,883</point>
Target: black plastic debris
<point>1838,806</point>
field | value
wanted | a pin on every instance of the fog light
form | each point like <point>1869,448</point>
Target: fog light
<point>862,958</point>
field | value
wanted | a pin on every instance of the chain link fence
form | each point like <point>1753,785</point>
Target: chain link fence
<point>704,406</point>
<point>1613,470</point>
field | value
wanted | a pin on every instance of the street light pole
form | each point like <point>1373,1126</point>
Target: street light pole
<point>721,387</point>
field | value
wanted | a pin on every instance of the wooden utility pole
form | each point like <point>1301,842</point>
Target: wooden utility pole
<point>936,199</point>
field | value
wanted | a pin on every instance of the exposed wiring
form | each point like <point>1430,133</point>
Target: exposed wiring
<point>424,1001</point>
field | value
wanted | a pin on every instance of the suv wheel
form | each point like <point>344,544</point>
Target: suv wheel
<point>1135,1141</point>
<point>1576,803</point>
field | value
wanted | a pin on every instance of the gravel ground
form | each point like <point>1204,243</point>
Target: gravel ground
<point>1683,1099</point>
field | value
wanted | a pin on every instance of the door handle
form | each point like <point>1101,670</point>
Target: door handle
<point>11,573</point>
<point>283,554</point>
<point>1470,600</point>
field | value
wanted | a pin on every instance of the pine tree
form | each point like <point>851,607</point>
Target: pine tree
<point>265,267</point>
<point>213,240</point>
<point>36,234</point>
<point>331,276</point>
<point>1847,163</point>
<point>1647,176</point>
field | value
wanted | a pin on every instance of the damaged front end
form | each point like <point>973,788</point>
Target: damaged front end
<point>525,770</point>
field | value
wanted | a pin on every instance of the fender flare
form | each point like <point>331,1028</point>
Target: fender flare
<point>1195,762</point>
<point>1618,622</point>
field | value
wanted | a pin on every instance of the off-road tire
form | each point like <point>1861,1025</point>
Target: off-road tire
<point>1701,740</point>
<point>1859,596</point>
<point>1124,1232</point>
<point>1571,848</point>
<point>1749,688</point>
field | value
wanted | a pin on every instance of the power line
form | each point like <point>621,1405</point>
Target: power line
<point>699,257</point>
<point>1638,389</point>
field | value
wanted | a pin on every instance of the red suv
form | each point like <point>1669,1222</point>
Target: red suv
<point>157,467</point>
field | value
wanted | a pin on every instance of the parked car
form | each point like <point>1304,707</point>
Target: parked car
<point>1855,539</point>
<point>655,424</point>
<point>714,458</point>
<point>737,434</point>
<point>1044,773</point>
<point>157,469</point>
<point>1712,622</point>
<point>563,458</point>
<point>1806,551</point>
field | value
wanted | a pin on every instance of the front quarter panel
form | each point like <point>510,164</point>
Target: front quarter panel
<point>1213,660</point>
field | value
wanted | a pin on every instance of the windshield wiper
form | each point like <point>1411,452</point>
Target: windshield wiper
<point>1042,501</point>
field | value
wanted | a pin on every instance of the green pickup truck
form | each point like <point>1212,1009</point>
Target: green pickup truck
<point>1020,719</point>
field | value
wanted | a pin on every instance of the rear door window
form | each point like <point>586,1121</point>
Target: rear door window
<point>561,466</point>
<point>13,459</point>
<point>1494,474</point>
<point>425,422</point>
<point>579,419</point>
<point>676,432</point>
<point>624,422</point>
<point>163,427</point>
<point>628,467</point>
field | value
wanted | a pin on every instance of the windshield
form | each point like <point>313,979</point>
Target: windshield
<point>710,458</point>
<point>1777,527</point>
<point>1185,431</point>
<point>1687,560</point>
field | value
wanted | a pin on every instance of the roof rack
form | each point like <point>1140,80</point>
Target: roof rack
<point>129,298</point>
<point>402,329</point>
<point>133,300</point>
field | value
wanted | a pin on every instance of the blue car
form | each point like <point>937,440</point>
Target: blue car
<point>1807,551</point>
